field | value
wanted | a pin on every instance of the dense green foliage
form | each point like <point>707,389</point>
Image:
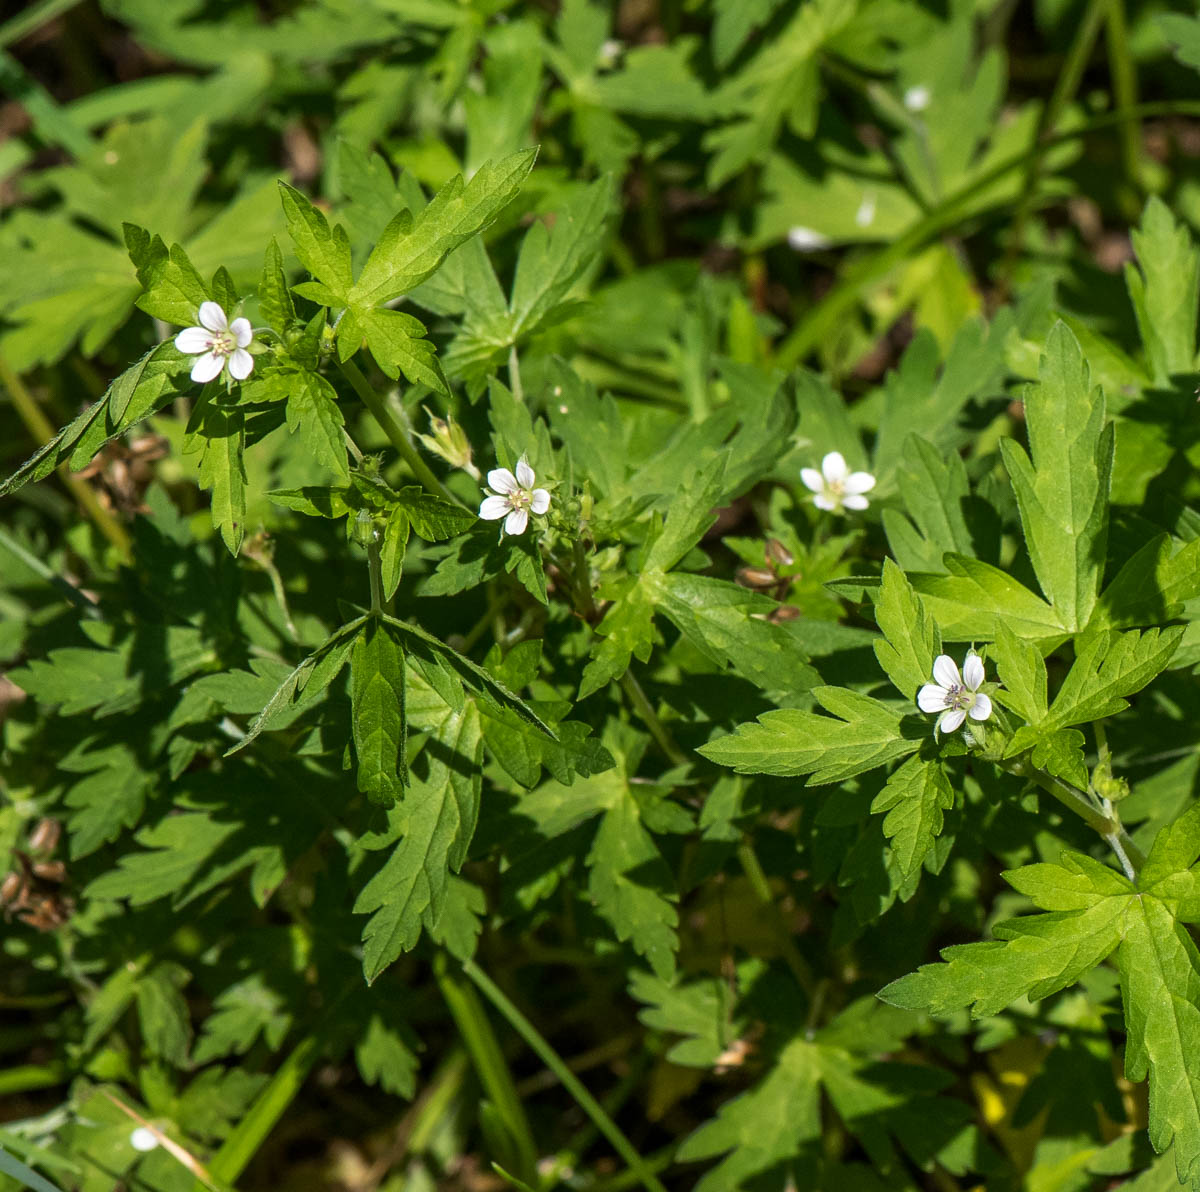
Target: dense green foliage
<point>631,612</point>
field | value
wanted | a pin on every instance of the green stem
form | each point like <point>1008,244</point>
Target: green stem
<point>488,1060</point>
<point>394,431</point>
<point>266,1110</point>
<point>375,568</point>
<point>33,18</point>
<point>1124,84</point>
<point>1065,88</point>
<point>42,431</point>
<point>824,318</point>
<point>645,710</point>
<point>84,603</point>
<point>748,859</point>
<point>514,374</point>
<point>1106,824</point>
<point>26,1077</point>
<point>569,1080</point>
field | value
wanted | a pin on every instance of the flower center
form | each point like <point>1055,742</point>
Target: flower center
<point>520,499</point>
<point>960,698</point>
<point>221,343</point>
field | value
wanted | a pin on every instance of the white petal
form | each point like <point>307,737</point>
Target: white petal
<point>931,698</point>
<point>973,671</point>
<point>207,366</point>
<point>244,333</point>
<point>539,501</point>
<point>241,364</point>
<point>193,340</point>
<point>951,720</point>
<point>516,522</point>
<point>823,501</point>
<point>525,476</point>
<point>812,479</point>
<point>945,671</point>
<point>502,480</point>
<point>981,709</point>
<point>213,317</point>
<point>494,508</point>
<point>858,482</point>
<point>834,467</point>
<point>854,501</point>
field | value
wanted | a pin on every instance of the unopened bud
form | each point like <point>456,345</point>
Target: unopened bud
<point>449,440</point>
<point>778,554</point>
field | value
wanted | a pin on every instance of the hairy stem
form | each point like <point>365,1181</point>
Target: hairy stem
<point>394,431</point>
<point>1103,821</point>
<point>514,374</point>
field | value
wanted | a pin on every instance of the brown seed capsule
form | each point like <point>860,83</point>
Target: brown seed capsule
<point>50,871</point>
<point>778,554</point>
<point>45,836</point>
<point>785,612</point>
<point>756,578</point>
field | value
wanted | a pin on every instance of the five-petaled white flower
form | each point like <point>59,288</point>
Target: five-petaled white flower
<point>217,342</point>
<point>513,497</point>
<point>955,696</point>
<point>836,486</point>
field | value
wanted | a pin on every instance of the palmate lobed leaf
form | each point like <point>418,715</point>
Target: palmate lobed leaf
<point>438,814</point>
<point>1092,912</point>
<point>1063,493</point>
<point>861,735</point>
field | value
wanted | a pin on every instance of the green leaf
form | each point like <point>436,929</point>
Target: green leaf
<point>915,796</point>
<point>1063,494</point>
<point>626,877</point>
<point>311,676</point>
<point>728,624</point>
<point>178,847</point>
<point>1152,586</point>
<point>1164,287</point>
<point>974,598</point>
<point>223,432</point>
<point>392,551</point>
<point>1108,667</point>
<point>438,815</point>
<point>911,638</point>
<point>313,410</point>
<point>553,259</point>
<point>105,681</point>
<point>323,251</point>
<point>274,297</point>
<point>1022,673</point>
<point>1160,991</point>
<point>385,1058</point>
<point>163,1013</point>
<point>397,342</point>
<point>172,289</point>
<point>409,250</point>
<point>418,642</point>
<point>789,741</point>
<point>626,632</point>
<point>142,389</point>
<point>433,518</point>
<point>241,1013</point>
<point>1033,956</point>
<point>762,1127</point>
<point>1057,751</point>
<point>377,703</point>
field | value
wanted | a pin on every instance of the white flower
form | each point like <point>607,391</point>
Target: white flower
<point>803,239</point>
<point>513,497</point>
<point>217,341</point>
<point>916,99</point>
<point>836,486</point>
<point>143,1139</point>
<point>955,696</point>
